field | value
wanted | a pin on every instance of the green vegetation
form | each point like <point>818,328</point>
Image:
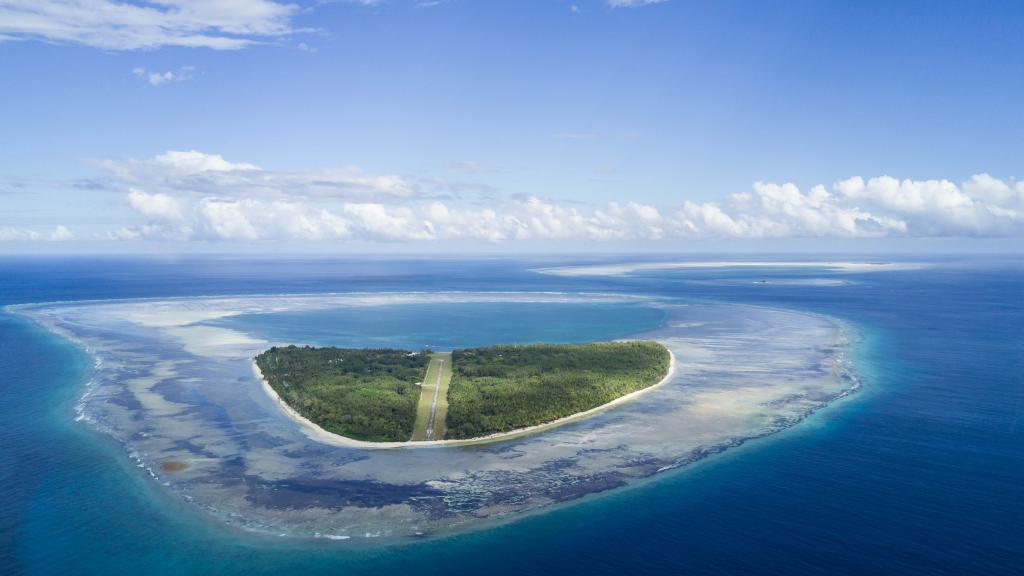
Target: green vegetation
<point>372,394</point>
<point>503,388</point>
<point>362,394</point>
<point>433,406</point>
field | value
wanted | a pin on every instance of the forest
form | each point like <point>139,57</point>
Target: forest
<point>502,388</point>
<point>366,394</point>
<point>371,394</point>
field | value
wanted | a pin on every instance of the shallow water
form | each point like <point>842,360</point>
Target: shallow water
<point>919,472</point>
<point>181,396</point>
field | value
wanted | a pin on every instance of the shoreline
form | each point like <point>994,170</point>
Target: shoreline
<point>318,434</point>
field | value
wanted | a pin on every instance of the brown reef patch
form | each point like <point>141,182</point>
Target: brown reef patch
<point>173,465</point>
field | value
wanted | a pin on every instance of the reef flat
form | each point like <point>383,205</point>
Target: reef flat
<point>181,396</point>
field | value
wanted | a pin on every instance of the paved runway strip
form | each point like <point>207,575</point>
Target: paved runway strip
<point>432,410</point>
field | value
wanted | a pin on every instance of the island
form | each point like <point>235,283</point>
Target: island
<point>391,395</point>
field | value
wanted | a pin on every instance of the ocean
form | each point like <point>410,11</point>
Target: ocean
<point>920,472</point>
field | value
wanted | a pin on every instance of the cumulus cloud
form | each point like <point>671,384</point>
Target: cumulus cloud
<point>119,25</point>
<point>983,206</point>
<point>193,173</point>
<point>190,195</point>
<point>228,219</point>
<point>58,233</point>
<point>155,205</point>
<point>995,191</point>
<point>782,210</point>
<point>769,211</point>
<point>251,219</point>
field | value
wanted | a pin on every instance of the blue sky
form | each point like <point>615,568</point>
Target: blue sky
<point>253,125</point>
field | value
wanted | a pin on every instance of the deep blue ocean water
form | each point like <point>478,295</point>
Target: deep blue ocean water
<point>922,472</point>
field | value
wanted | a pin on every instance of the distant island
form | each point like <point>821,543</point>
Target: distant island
<point>390,395</point>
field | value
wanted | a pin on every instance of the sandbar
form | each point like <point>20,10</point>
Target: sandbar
<point>626,268</point>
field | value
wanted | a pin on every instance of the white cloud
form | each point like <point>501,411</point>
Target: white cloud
<point>779,210</point>
<point>529,219</point>
<point>249,219</point>
<point>193,173</point>
<point>192,162</point>
<point>159,78</point>
<point>119,25</point>
<point>983,206</point>
<point>994,190</point>
<point>58,233</point>
<point>194,195</point>
<point>632,3</point>
<point>155,205</point>
<point>769,211</point>
<point>379,222</point>
<point>227,219</point>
